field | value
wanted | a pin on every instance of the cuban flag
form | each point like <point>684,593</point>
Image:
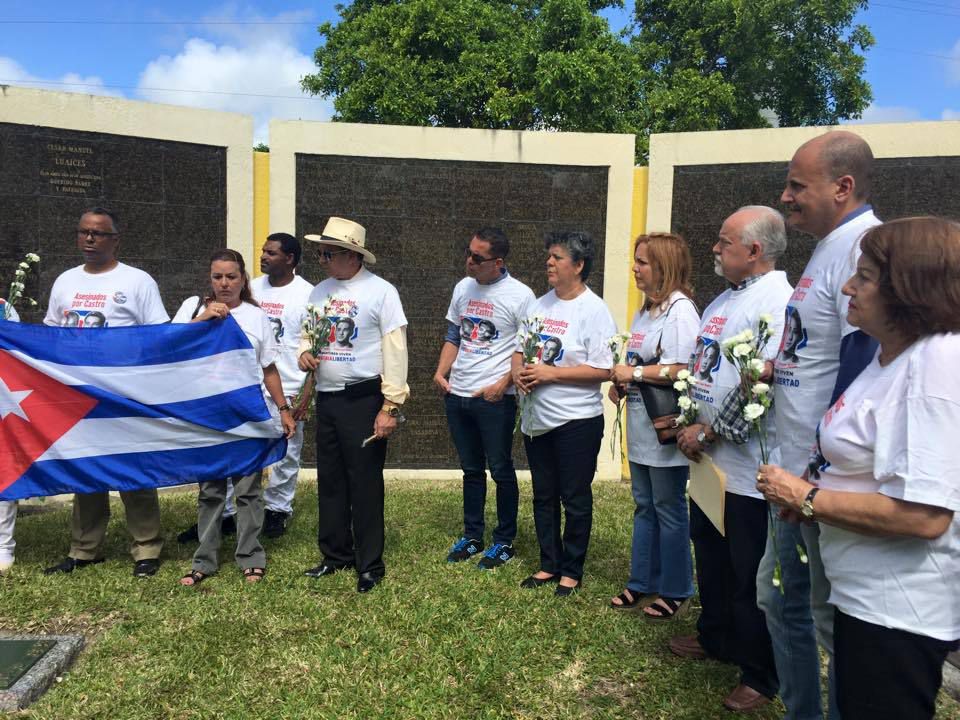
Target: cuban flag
<point>129,408</point>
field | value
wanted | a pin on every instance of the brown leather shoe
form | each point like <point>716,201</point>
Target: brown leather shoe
<point>687,646</point>
<point>745,699</point>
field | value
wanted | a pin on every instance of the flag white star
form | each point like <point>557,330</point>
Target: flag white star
<point>10,401</point>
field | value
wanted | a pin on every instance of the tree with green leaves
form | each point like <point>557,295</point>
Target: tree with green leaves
<point>556,64</point>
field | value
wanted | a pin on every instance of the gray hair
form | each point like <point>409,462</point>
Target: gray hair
<point>767,230</point>
<point>579,244</point>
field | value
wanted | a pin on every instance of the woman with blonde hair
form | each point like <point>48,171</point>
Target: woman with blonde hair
<point>663,335</point>
<point>884,486</point>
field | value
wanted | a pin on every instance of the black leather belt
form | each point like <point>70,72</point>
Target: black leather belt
<point>356,389</point>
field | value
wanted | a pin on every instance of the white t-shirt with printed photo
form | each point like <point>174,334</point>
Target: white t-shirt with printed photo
<point>675,331</point>
<point>121,297</point>
<point>489,317</point>
<point>715,377</point>
<point>284,307</point>
<point>806,367</point>
<point>576,332</point>
<point>893,432</point>
<point>361,310</point>
<point>252,320</point>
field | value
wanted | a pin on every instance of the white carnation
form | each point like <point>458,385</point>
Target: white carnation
<point>680,386</point>
<point>766,318</point>
<point>742,350</point>
<point>33,257</point>
<point>757,365</point>
<point>761,389</point>
<point>665,372</point>
<point>747,335</point>
<point>683,375</point>
<point>753,411</point>
<point>24,265</point>
<point>684,402</point>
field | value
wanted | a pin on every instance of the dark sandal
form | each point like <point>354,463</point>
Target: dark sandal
<point>626,604</point>
<point>195,577</point>
<point>670,609</point>
<point>254,575</point>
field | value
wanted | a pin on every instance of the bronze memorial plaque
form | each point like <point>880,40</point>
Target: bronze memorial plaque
<point>18,656</point>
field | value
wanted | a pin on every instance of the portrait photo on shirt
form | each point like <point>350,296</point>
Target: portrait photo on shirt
<point>277,328</point>
<point>468,327</point>
<point>344,332</point>
<point>708,358</point>
<point>633,359</point>
<point>486,331</point>
<point>794,336</point>
<point>84,319</point>
<point>552,350</point>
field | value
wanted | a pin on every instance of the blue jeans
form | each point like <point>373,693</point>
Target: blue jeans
<point>790,623</point>
<point>660,557</point>
<point>482,432</point>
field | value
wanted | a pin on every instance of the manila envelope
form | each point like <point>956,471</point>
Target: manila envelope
<point>707,489</point>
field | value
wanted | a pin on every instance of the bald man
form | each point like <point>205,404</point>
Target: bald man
<point>826,196</point>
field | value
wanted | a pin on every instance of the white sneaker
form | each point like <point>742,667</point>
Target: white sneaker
<point>6,562</point>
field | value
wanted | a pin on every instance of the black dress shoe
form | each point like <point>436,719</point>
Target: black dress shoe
<point>146,568</point>
<point>70,564</point>
<point>322,570</point>
<point>535,582</point>
<point>367,581</point>
<point>228,526</point>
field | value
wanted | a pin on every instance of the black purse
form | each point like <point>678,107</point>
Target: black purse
<point>661,401</point>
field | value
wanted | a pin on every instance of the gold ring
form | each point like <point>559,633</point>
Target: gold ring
<point>759,477</point>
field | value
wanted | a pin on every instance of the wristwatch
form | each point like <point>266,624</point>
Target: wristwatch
<point>702,437</point>
<point>638,375</point>
<point>393,411</point>
<point>807,508</point>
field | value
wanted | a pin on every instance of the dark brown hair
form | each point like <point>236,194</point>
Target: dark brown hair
<point>228,255</point>
<point>919,262</point>
<point>669,256</point>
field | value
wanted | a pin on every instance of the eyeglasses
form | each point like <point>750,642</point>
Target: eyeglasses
<point>95,234</point>
<point>327,255</point>
<point>477,259</point>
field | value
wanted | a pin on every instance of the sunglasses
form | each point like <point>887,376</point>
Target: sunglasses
<point>477,259</point>
<point>327,255</point>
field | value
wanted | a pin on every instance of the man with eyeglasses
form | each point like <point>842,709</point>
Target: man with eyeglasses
<point>361,383</point>
<point>473,375</point>
<point>111,294</point>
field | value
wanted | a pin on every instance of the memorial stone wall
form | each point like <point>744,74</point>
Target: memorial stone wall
<point>419,216</point>
<point>705,195</point>
<point>170,197</point>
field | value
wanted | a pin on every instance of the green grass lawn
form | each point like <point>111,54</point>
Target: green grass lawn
<point>434,641</point>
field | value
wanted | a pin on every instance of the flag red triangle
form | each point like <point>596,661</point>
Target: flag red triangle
<point>52,408</point>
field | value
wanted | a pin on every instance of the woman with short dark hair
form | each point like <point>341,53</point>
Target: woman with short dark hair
<point>886,489</point>
<point>563,419</point>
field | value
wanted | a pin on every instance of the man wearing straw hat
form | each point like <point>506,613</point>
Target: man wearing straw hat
<point>361,386</point>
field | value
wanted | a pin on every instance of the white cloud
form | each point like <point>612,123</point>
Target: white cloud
<point>949,114</point>
<point>14,73</point>
<point>888,114</point>
<point>256,70</point>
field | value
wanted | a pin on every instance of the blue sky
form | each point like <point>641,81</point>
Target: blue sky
<point>252,54</point>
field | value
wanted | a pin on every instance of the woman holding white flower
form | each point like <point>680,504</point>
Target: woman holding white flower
<point>886,492</point>
<point>662,336</point>
<point>562,420</point>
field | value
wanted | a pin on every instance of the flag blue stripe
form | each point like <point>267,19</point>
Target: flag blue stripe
<point>140,471</point>
<point>124,346</point>
<point>219,412</point>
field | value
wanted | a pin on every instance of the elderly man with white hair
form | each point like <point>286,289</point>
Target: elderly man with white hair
<point>731,627</point>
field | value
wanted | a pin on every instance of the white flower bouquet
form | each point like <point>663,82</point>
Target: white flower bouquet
<point>618,348</point>
<point>17,286</point>
<point>689,409</point>
<point>315,328</point>
<point>531,343</point>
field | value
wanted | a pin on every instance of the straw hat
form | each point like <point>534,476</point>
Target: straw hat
<point>346,234</point>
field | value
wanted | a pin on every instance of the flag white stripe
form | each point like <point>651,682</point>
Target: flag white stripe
<point>87,437</point>
<point>151,384</point>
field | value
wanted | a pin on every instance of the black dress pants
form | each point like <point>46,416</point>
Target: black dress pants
<point>886,674</point>
<point>350,482</point>
<point>562,464</point>
<point>731,627</point>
